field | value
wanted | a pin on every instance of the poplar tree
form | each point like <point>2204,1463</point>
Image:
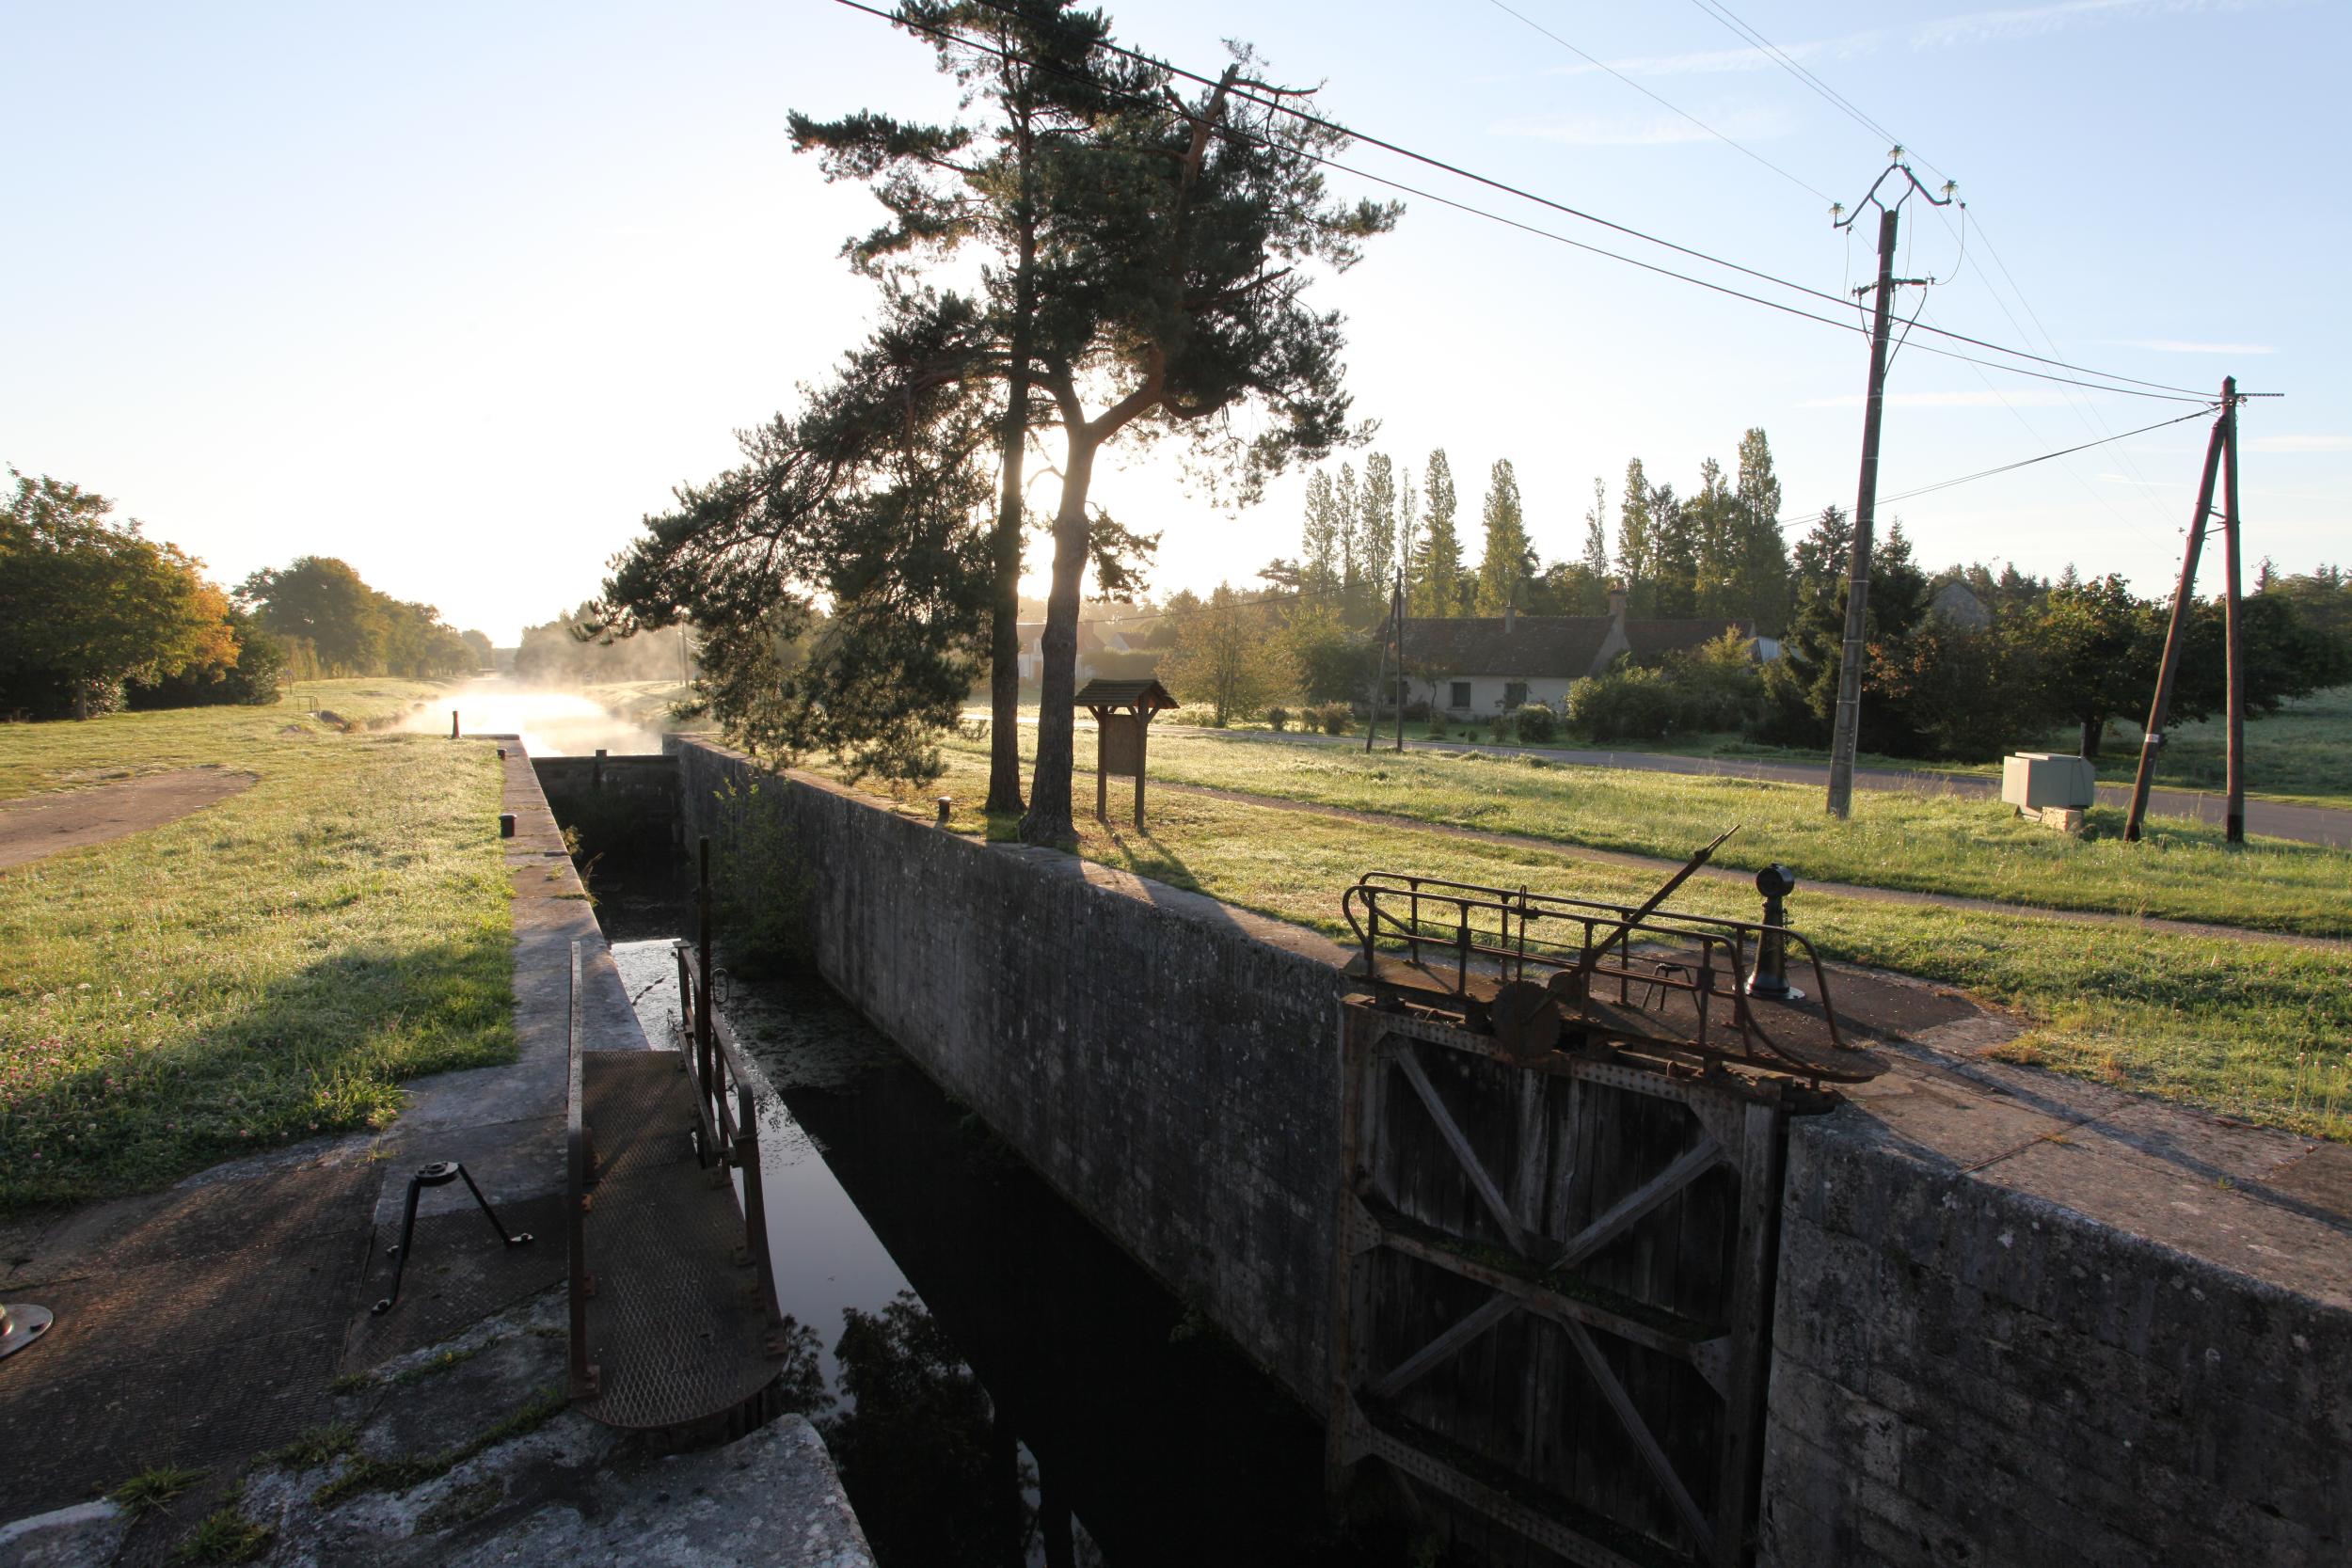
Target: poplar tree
<point>1407,524</point>
<point>1508,562</point>
<point>1436,588</point>
<point>1319,540</point>
<point>1347,512</point>
<point>1379,533</point>
<point>1597,535</point>
<point>1634,543</point>
<point>1763,555</point>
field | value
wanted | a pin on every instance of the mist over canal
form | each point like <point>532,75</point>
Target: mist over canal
<point>552,723</point>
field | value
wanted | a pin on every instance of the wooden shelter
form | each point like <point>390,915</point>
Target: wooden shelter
<point>1123,716</point>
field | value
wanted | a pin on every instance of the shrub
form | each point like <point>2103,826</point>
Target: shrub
<point>1200,714</point>
<point>1417,712</point>
<point>760,882</point>
<point>1279,717</point>
<point>1538,725</point>
<point>1334,717</point>
<point>1625,704</point>
<point>1499,728</point>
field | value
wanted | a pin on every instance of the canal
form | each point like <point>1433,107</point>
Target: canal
<point>999,1382</point>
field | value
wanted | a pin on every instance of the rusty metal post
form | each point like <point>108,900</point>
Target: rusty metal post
<point>452,724</point>
<point>702,952</point>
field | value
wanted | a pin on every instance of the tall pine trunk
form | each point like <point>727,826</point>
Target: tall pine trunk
<point>1004,681</point>
<point>1049,821</point>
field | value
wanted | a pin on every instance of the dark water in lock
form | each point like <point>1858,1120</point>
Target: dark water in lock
<point>1001,1383</point>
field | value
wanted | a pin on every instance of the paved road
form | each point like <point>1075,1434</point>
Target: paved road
<point>2272,819</point>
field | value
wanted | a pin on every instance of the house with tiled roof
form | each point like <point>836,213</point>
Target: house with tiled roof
<point>1471,667</point>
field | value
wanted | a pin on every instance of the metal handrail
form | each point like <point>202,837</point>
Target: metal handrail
<point>726,1110</point>
<point>1497,929</point>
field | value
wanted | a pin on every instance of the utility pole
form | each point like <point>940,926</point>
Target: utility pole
<point>2183,598</point>
<point>2236,812</point>
<point>1843,737</point>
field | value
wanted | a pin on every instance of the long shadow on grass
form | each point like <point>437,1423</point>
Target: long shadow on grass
<point>322,1050</point>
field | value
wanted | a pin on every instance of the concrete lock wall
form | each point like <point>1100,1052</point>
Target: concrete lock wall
<point>1965,1372</point>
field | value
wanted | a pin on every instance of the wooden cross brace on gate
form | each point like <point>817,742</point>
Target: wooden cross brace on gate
<point>1553,1235</point>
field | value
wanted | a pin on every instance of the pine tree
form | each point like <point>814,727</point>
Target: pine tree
<point>1436,588</point>
<point>1508,562</point>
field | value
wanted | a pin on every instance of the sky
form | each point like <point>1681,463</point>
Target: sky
<point>459,292</point>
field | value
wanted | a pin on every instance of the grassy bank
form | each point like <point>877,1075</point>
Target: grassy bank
<point>2257,1031</point>
<point>267,968</point>
<point>1916,841</point>
<point>68,754</point>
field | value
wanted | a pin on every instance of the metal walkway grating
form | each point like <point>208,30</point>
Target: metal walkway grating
<point>677,1328</point>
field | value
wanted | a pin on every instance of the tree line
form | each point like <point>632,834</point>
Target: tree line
<point>96,616</point>
<point>1716,553</point>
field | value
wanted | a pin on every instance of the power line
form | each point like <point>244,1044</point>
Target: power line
<point>1839,100</point>
<point>1598,64</point>
<point>2045,457</point>
<point>1788,62</point>
<point>1273,102</point>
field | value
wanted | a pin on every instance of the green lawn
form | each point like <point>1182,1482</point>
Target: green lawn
<point>2301,753</point>
<point>267,968</point>
<point>2258,1031</point>
<point>1918,842</point>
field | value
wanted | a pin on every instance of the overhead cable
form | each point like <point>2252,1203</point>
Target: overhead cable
<point>1274,102</point>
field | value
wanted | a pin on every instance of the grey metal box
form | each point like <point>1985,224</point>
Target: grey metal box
<point>2042,780</point>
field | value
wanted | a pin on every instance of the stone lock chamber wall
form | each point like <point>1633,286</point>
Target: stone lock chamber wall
<point>1965,1371</point>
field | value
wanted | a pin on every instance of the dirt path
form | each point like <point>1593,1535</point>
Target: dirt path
<point>74,820</point>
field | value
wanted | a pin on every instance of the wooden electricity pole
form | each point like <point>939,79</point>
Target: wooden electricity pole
<point>1843,737</point>
<point>2184,601</point>
<point>2235,811</point>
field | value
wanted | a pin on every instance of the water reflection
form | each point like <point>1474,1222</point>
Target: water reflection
<point>552,723</point>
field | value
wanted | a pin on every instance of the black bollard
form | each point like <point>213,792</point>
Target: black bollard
<point>1770,977</point>
<point>946,804</point>
<point>506,824</point>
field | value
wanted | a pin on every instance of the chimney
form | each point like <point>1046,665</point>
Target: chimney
<point>1616,603</point>
<point>1510,614</point>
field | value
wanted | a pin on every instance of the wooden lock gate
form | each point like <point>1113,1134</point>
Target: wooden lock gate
<point>1553,1287</point>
